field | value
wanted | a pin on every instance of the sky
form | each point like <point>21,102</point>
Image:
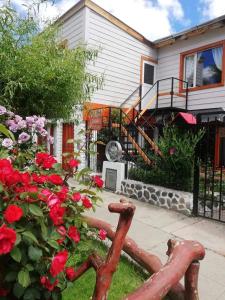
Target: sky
<point>152,18</point>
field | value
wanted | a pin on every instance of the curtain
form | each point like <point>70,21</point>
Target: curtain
<point>189,69</point>
<point>217,56</point>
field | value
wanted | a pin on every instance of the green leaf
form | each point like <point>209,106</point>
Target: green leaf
<point>44,229</point>
<point>24,278</point>
<point>1,187</point>
<point>56,296</point>
<point>30,236</point>
<point>31,294</point>
<point>35,210</point>
<point>18,290</point>
<point>34,253</point>
<point>53,244</point>
<point>11,276</point>
<point>29,267</point>
<point>18,239</point>
<point>16,254</point>
<point>6,132</point>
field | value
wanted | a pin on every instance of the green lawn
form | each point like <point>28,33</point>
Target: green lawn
<point>126,279</point>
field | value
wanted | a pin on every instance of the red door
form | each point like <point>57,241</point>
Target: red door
<point>67,148</point>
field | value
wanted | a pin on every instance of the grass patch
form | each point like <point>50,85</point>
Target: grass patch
<point>125,280</point>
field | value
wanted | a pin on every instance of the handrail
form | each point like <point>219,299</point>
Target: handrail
<point>183,261</point>
<point>155,149</point>
<point>128,98</point>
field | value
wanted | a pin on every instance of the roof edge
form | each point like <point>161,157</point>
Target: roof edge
<point>193,31</point>
<point>108,16</point>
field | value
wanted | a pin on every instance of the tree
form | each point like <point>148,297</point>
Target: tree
<point>37,74</point>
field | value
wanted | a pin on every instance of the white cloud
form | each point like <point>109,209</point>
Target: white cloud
<point>150,18</point>
<point>213,8</point>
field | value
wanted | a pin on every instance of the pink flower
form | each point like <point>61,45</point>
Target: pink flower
<point>98,181</point>
<point>172,151</point>
<point>56,214</point>
<point>76,197</point>
<point>70,273</point>
<point>74,234</point>
<point>86,202</point>
<point>47,284</point>
<point>23,138</point>
<point>73,163</point>
<point>102,234</point>
<point>58,263</point>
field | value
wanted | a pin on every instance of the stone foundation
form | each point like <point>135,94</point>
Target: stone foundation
<point>157,195</point>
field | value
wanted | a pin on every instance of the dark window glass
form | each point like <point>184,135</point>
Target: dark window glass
<point>209,66</point>
<point>148,74</point>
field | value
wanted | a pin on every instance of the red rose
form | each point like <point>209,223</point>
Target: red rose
<point>70,273</point>
<point>76,197</point>
<point>25,178</point>
<point>98,181</point>
<point>13,213</point>
<point>7,239</point>
<point>13,178</point>
<point>74,234</point>
<point>58,263</point>
<point>73,163</point>
<point>40,179</point>
<point>5,169</point>
<point>55,179</point>
<point>3,292</point>
<point>45,160</point>
<point>56,214</point>
<point>86,202</point>
<point>47,284</point>
<point>62,194</point>
<point>102,234</point>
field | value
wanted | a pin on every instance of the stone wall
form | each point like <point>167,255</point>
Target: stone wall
<point>157,195</point>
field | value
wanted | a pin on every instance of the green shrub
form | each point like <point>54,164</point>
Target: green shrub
<point>175,168</point>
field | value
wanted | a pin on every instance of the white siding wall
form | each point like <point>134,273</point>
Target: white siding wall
<point>169,64</point>
<point>119,59</point>
<point>73,29</point>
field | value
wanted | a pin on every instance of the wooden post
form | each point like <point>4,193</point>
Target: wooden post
<point>191,281</point>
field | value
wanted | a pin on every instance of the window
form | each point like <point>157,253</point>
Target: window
<point>203,68</point>
<point>148,73</point>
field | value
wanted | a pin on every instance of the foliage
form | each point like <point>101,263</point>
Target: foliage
<point>37,74</point>
<point>41,224</point>
<point>175,168</point>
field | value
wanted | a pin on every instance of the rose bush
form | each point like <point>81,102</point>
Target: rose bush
<point>40,214</point>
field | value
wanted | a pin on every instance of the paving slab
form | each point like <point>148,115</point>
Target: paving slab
<point>152,227</point>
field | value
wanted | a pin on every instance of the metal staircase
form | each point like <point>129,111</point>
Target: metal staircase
<point>130,123</point>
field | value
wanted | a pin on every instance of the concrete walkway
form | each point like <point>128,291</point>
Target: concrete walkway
<point>153,226</point>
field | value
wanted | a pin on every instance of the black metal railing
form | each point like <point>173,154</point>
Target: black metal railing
<point>209,175</point>
<point>117,125</point>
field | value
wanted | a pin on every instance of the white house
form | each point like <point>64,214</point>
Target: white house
<point>184,72</point>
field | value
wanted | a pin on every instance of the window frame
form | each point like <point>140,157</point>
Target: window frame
<point>183,55</point>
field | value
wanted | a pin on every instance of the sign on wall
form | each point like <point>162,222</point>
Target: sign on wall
<point>95,119</point>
